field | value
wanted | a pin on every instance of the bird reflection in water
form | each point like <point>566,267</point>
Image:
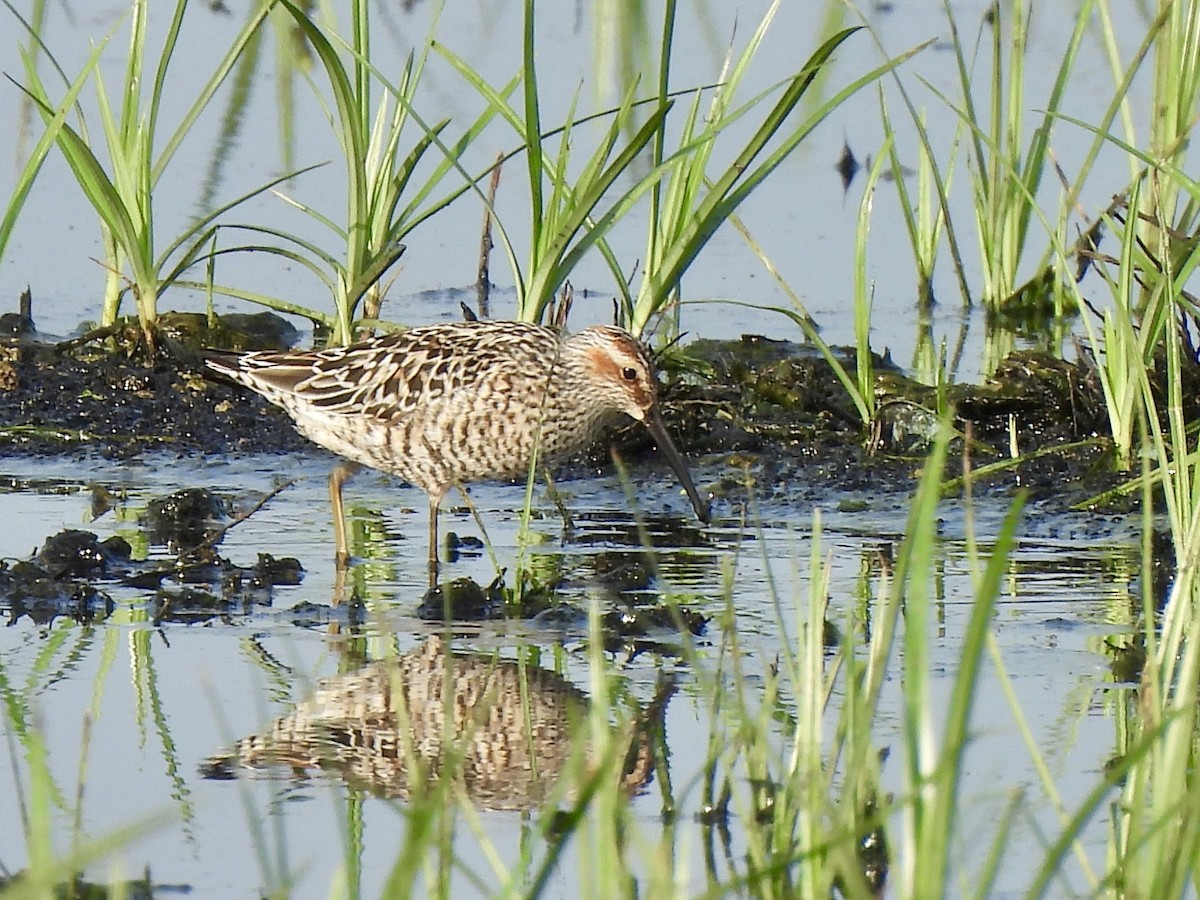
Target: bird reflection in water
<point>508,741</point>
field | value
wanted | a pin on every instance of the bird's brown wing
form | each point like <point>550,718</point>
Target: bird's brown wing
<point>392,377</point>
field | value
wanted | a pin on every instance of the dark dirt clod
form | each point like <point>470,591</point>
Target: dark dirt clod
<point>272,572</point>
<point>189,606</point>
<point>62,580</point>
<point>621,571</point>
<point>462,600</point>
<point>117,548</point>
<point>636,622</point>
<point>185,519</point>
<point>462,546</point>
<point>658,628</point>
<point>73,554</point>
<point>28,589</point>
<point>15,325</point>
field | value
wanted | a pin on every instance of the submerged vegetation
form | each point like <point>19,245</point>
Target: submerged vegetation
<point>792,788</point>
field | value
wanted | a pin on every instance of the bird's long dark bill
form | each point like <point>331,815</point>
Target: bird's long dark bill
<point>675,458</point>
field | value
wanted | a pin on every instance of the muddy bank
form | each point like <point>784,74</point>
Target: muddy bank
<point>750,407</point>
<point>106,397</point>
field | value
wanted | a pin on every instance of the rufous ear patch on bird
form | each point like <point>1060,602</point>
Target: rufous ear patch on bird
<point>625,367</point>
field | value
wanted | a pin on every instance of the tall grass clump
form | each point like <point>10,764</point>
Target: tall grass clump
<point>688,200</point>
<point>385,144</point>
<point>119,170</point>
<point>1006,170</point>
<point>1126,352</point>
<point>1145,358</point>
<point>566,219</point>
<point>1167,210</point>
<point>1154,261</point>
<point>925,217</point>
<point>1156,835</point>
<point>1147,361</point>
<point>1149,219</point>
<point>864,367</point>
<point>689,204</point>
<point>694,199</point>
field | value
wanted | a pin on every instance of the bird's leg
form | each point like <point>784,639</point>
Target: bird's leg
<point>434,503</point>
<point>337,477</point>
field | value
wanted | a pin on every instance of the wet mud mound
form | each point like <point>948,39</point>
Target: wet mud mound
<point>753,408</point>
<point>76,575</point>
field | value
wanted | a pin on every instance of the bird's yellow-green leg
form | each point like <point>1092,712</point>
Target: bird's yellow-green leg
<point>434,503</point>
<point>340,474</point>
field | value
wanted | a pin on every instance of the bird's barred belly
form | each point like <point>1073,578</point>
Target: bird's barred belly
<point>435,453</point>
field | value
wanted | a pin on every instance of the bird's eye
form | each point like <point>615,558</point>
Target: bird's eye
<point>629,373</point>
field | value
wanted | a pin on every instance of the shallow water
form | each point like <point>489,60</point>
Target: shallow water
<point>162,700</point>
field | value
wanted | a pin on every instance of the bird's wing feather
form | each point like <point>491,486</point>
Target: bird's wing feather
<point>390,378</point>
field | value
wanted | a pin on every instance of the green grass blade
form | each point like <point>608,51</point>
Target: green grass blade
<point>29,172</point>
<point>532,126</point>
<point>92,178</point>
<point>739,180</point>
<point>312,249</point>
<point>282,306</point>
<point>244,36</point>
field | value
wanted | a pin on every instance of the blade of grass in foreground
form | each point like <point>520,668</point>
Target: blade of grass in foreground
<point>933,767</point>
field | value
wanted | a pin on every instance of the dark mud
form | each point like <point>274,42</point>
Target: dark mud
<point>81,398</point>
<point>753,408</point>
<point>777,410</point>
<point>73,573</point>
